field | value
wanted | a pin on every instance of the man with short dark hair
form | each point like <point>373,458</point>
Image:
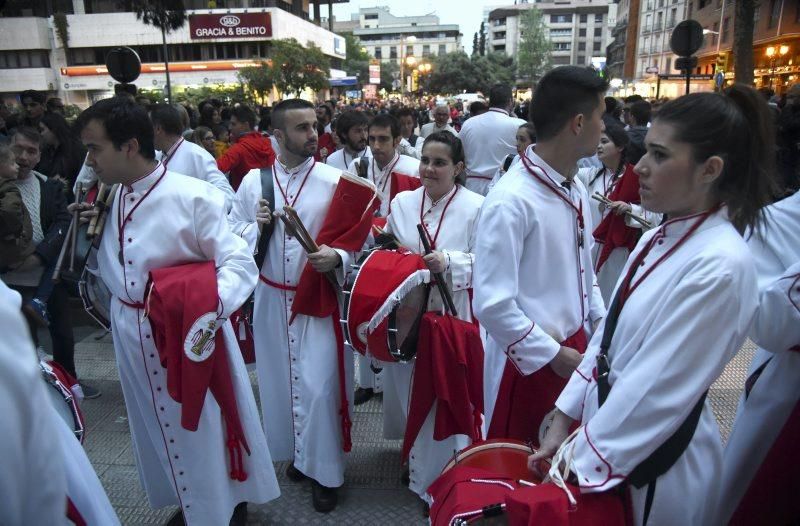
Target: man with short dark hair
<point>535,291</point>
<point>186,455</point>
<point>249,150</point>
<point>55,105</point>
<point>46,204</point>
<point>489,138</point>
<point>33,107</point>
<point>408,123</point>
<point>324,117</point>
<point>351,128</point>
<point>182,156</point>
<point>297,362</point>
<point>639,121</point>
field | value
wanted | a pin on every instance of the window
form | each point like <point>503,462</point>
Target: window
<point>24,59</point>
<point>560,61</point>
<point>443,49</point>
<point>581,60</point>
<point>669,65</point>
<point>566,32</point>
<point>598,18</point>
<point>725,25</point>
<point>562,46</point>
<point>598,31</point>
<point>582,32</point>
<point>560,19</point>
<point>584,18</point>
<point>371,16</point>
<point>774,13</point>
<point>581,46</point>
<point>597,46</point>
<point>378,52</point>
<point>409,50</point>
<point>426,50</point>
<point>713,36</point>
<point>393,52</point>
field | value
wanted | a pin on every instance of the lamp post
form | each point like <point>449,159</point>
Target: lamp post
<point>403,57</point>
<point>773,52</point>
<point>424,70</point>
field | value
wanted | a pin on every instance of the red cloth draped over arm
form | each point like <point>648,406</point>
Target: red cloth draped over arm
<point>612,231</point>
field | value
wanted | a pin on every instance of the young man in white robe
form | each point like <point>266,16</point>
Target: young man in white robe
<point>351,129</point>
<point>185,157</point>
<point>384,139</point>
<point>162,219</point>
<point>767,413</point>
<point>296,362</point>
<point>490,137</point>
<point>535,292</point>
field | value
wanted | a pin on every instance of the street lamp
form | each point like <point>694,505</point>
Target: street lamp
<point>773,52</point>
<point>403,41</point>
<point>424,69</point>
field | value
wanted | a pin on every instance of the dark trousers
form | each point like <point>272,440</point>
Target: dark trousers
<point>60,325</point>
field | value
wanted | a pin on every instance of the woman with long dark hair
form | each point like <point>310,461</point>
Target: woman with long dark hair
<point>681,310</point>
<point>62,152</point>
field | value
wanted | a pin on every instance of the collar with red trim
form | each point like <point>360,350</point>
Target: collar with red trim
<point>144,183</point>
<point>677,227</point>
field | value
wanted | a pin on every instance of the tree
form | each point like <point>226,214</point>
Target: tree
<point>743,26</point>
<point>167,15</point>
<point>456,72</point>
<point>388,70</point>
<point>259,79</point>
<point>534,58</point>
<point>357,60</point>
<point>295,68</point>
<point>482,39</point>
<point>474,43</point>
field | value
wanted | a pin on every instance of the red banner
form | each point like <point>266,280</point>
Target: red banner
<point>230,25</point>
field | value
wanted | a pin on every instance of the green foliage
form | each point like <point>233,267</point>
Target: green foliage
<point>357,60</point>
<point>388,69</point>
<point>291,69</point>
<point>168,15</point>
<point>456,72</point>
<point>482,40</point>
<point>62,28</point>
<point>535,48</point>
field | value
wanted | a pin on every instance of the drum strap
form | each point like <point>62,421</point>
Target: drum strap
<point>268,193</point>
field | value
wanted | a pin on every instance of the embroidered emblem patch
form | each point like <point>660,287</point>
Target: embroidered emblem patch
<point>361,332</point>
<point>199,343</point>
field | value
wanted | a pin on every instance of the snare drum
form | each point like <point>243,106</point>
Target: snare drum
<point>96,298</point>
<point>59,389</point>
<point>504,457</point>
<point>384,300</point>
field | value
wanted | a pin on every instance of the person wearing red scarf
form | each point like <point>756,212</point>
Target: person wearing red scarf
<point>251,149</point>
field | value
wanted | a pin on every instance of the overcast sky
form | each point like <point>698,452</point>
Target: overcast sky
<point>466,13</point>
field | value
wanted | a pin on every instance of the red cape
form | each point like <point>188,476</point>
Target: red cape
<point>612,231</point>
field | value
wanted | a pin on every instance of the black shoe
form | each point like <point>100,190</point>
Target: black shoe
<point>295,474</point>
<point>239,515</point>
<point>176,519</point>
<point>324,498</point>
<point>362,396</point>
<point>89,392</point>
<point>426,509</point>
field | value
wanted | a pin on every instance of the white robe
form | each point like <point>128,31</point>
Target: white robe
<point>188,158</point>
<point>33,485</point>
<point>181,221</point>
<point>456,239</point>
<point>488,138</point>
<point>297,364</point>
<point>534,285</point>
<point>675,334</point>
<point>405,165</point>
<point>759,419</point>
<point>341,159</point>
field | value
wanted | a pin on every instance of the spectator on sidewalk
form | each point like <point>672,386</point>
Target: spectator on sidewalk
<point>250,149</point>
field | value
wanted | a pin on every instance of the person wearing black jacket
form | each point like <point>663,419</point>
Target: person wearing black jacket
<point>46,203</point>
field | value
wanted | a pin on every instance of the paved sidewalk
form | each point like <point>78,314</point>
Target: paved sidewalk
<point>372,495</point>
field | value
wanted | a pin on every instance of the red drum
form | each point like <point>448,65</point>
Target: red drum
<point>60,390</point>
<point>505,457</point>
<point>384,300</point>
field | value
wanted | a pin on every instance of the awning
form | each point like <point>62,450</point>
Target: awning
<point>344,81</point>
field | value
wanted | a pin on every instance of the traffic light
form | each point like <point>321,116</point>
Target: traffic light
<point>722,62</point>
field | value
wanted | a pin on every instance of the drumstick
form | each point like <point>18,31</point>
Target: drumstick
<point>109,200</point>
<point>439,276</point>
<point>101,190</point>
<point>603,199</point>
<point>63,253</point>
<point>73,238</point>
<point>292,231</point>
<point>301,228</point>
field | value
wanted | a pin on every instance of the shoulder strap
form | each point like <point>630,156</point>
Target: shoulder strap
<point>363,167</point>
<point>268,193</point>
<point>507,163</point>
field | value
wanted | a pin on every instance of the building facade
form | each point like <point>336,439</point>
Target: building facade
<point>580,30</point>
<point>388,38</point>
<point>207,51</point>
<point>776,41</point>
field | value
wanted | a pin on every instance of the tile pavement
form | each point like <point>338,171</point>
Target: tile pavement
<point>373,493</point>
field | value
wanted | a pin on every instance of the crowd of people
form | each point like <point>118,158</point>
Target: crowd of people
<point>601,259</point>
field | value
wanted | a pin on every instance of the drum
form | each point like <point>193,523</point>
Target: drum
<point>59,388</point>
<point>96,298</point>
<point>384,300</point>
<point>506,457</point>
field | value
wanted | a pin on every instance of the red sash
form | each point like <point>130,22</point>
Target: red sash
<point>182,301</point>
<point>449,372</point>
<point>524,401</point>
<point>771,497</point>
